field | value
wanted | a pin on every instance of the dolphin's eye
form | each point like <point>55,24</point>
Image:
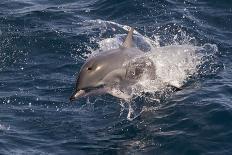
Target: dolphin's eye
<point>89,68</point>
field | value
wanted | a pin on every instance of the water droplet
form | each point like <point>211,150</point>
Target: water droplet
<point>87,10</point>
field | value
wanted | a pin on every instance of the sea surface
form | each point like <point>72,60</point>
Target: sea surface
<point>44,43</point>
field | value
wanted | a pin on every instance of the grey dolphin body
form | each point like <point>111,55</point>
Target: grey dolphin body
<point>112,71</point>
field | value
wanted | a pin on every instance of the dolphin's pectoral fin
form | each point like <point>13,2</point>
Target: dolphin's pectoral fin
<point>118,93</point>
<point>128,41</point>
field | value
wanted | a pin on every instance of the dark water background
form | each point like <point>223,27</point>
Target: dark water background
<point>42,43</point>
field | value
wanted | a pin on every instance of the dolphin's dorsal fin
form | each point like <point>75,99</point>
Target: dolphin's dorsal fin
<point>128,41</point>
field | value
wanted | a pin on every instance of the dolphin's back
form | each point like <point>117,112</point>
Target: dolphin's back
<point>116,57</point>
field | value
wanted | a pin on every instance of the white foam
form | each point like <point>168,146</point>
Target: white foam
<point>4,128</point>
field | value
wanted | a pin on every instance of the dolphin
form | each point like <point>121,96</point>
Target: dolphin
<point>113,71</point>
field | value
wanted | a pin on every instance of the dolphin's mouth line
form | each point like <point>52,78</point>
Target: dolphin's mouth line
<point>78,93</point>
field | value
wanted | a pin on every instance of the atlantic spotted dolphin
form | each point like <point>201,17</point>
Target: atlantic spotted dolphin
<point>113,71</point>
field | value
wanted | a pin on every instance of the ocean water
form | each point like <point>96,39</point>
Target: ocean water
<point>44,43</point>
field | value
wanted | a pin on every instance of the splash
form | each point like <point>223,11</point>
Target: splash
<point>4,127</point>
<point>175,64</point>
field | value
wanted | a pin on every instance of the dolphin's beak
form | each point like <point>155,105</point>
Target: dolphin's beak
<point>77,94</point>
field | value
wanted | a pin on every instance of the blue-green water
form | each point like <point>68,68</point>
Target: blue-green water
<point>43,45</point>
